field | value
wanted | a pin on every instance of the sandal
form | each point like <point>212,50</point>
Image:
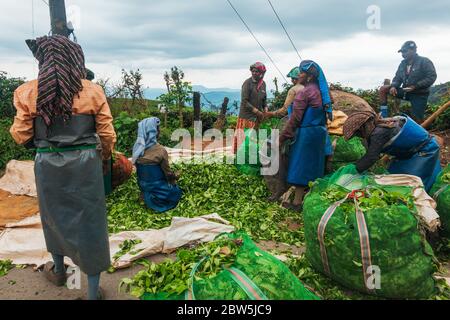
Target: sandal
<point>58,279</point>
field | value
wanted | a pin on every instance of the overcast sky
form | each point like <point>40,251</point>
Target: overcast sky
<point>208,41</point>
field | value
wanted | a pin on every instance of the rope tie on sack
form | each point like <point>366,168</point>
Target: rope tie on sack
<point>363,232</point>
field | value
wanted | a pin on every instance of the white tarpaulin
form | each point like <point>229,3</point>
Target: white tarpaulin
<point>425,205</point>
<point>180,155</point>
<point>26,246</point>
<point>19,178</point>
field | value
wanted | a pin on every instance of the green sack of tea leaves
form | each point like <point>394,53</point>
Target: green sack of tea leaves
<point>230,268</point>
<point>247,156</point>
<point>346,152</point>
<point>441,193</point>
<point>368,236</point>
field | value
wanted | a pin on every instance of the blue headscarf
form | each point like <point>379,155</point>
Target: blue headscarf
<point>147,132</point>
<point>305,66</point>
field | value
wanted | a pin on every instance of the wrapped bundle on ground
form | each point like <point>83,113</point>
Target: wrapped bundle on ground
<point>441,193</point>
<point>346,152</point>
<point>230,268</point>
<point>368,236</point>
<point>247,156</point>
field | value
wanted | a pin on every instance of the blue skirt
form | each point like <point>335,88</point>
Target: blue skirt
<point>159,195</point>
<point>307,156</point>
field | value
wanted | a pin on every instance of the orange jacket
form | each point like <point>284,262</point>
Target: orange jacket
<point>91,100</point>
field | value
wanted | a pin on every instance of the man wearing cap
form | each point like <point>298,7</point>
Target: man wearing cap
<point>412,82</point>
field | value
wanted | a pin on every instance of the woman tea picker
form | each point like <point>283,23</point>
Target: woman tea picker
<point>287,110</point>
<point>155,178</point>
<point>307,127</point>
<point>414,150</point>
<point>253,103</point>
<point>68,120</point>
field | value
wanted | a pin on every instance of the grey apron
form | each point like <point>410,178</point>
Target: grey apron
<point>71,194</point>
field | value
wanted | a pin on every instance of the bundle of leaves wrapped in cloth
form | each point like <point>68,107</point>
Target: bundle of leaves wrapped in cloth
<point>229,268</point>
<point>346,152</point>
<point>441,193</point>
<point>368,236</point>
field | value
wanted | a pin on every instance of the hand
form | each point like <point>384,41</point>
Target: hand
<point>259,115</point>
<point>105,167</point>
<point>171,179</point>
<point>393,91</point>
<point>409,89</point>
<point>268,115</point>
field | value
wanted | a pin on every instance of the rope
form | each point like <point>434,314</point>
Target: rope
<point>282,25</point>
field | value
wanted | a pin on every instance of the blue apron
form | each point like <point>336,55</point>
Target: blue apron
<point>307,154</point>
<point>416,153</point>
<point>159,195</point>
<point>328,143</point>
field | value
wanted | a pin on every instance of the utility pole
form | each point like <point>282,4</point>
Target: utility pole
<point>58,18</point>
<point>197,106</point>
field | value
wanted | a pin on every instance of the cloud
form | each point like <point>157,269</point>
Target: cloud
<point>210,43</point>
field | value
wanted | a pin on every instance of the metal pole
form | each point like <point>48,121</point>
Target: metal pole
<point>58,17</point>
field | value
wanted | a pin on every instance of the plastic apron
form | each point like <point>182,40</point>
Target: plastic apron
<point>307,154</point>
<point>416,152</point>
<point>159,195</point>
<point>328,144</point>
<point>69,183</point>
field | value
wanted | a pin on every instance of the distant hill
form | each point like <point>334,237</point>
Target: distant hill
<point>439,92</point>
<point>211,98</point>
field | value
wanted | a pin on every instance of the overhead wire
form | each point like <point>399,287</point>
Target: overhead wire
<point>256,39</point>
<point>285,30</point>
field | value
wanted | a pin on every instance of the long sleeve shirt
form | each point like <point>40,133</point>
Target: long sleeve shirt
<point>292,93</point>
<point>157,155</point>
<point>308,97</point>
<point>91,100</point>
<point>252,98</point>
<point>376,142</point>
<point>421,74</point>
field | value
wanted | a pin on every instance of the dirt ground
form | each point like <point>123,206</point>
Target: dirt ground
<point>27,284</point>
<point>445,147</point>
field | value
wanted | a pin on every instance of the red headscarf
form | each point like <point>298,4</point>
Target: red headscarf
<point>261,68</point>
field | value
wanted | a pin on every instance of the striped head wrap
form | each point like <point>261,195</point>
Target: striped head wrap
<point>362,121</point>
<point>61,69</point>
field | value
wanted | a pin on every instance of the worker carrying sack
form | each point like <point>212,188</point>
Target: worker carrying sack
<point>368,236</point>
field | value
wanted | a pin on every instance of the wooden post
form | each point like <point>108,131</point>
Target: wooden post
<point>427,123</point>
<point>197,106</point>
<point>58,17</point>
